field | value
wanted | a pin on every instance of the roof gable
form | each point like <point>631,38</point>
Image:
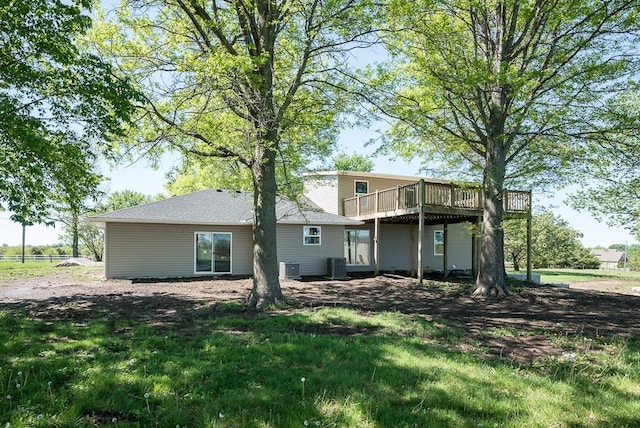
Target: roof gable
<point>608,255</point>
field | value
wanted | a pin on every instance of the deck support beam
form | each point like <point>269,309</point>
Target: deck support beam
<point>529,241</point>
<point>420,230</point>
<point>376,247</point>
<point>376,242</point>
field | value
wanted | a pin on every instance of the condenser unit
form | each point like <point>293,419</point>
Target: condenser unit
<point>289,270</point>
<point>337,267</point>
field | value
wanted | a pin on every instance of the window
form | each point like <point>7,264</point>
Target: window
<point>361,187</point>
<point>212,252</point>
<point>311,235</point>
<point>438,242</point>
<point>357,247</point>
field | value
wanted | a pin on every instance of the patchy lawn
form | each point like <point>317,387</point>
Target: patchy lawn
<point>379,351</point>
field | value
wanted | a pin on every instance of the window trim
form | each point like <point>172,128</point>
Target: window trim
<point>436,242</point>
<point>306,233</point>
<point>355,187</point>
<point>195,253</point>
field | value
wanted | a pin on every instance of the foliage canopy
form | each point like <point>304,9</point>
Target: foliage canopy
<point>258,83</point>
<point>513,91</point>
<point>55,101</point>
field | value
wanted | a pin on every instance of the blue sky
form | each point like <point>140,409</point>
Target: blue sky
<point>140,177</point>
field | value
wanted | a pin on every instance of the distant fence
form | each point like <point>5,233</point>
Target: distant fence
<point>38,258</point>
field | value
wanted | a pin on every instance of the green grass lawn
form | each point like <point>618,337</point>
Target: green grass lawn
<point>572,276</point>
<point>326,367</point>
<point>31,269</point>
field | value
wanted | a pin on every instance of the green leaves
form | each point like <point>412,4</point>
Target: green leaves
<point>533,75</point>
<point>220,78</point>
<point>555,244</point>
<point>56,102</point>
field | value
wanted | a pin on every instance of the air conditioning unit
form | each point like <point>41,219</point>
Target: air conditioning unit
<point>337,267</point>
<point>289,270</point>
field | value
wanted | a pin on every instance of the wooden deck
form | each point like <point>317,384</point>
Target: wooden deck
<point>439,201</point>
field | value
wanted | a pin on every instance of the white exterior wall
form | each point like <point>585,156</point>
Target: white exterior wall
<point>164,250</point>
<point>159,250</point>
<point>312,258</point>
<point>395,253</point>
<point>458,247</point>
<point>323,191</point>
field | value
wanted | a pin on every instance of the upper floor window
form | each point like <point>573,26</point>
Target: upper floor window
<point>361,187</point>
<point>311,235</point>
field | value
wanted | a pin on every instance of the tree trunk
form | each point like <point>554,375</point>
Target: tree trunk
<point>491,280</point>
<point>516,264</point>
<point>74,234</point>
<point>266,285</point>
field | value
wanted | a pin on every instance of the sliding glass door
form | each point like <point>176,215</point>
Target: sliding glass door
<point>213,252</point>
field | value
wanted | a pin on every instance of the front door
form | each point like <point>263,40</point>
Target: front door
<point>213,252</point>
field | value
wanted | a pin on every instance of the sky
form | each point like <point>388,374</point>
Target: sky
<point>141,178</point>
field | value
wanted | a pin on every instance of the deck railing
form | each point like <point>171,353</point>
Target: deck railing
<point>436,195</point>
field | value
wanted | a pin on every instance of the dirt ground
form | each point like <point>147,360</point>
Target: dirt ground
<point>591,311</point>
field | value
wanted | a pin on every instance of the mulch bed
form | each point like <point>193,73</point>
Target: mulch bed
<point>535,311</point>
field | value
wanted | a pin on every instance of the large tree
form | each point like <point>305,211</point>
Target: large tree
<point>511,90</point>
<point>195,174</point>
<point>250,81</point>
<point>55,102</point>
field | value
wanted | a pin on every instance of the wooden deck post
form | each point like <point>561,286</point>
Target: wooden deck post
<point>376,241</point>
<point>420,230</point>
<point>529,240</point>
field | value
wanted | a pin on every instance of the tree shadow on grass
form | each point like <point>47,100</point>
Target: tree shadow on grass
<point>211,362</point>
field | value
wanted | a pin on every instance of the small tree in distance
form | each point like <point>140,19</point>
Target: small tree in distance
<point>555,243</point>
<point>90,235</point>
<point>351,162</point>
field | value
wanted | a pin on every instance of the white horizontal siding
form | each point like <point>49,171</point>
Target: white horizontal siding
<point>160,250</point>
<point>458,247</point>
<point>156,250</point>
<point>395,251</point>
<point>312,258</point>
<point>323,191</point>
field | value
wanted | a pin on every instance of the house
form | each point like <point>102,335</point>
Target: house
<point>409,224</point>
<point>373,222</point>
<point>209,233</point>
<point>609,258</point>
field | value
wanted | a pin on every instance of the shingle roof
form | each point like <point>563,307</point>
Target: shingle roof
<point>608,255</point>
<point>217,207</point>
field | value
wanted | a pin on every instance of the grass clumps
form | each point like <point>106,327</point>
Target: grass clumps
<point>322,366</point>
